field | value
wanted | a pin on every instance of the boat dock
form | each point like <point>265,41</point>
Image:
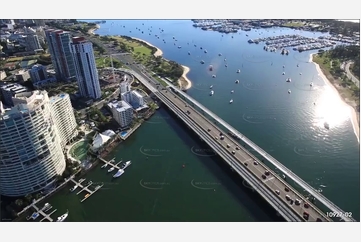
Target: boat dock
<point>91,192</point>
<point>44,214</point>
<point>86,188</point>
<point>110,163</point>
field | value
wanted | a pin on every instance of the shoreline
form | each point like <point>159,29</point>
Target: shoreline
<point>92,30</point>
<point>354,114</point>
<point>159,52</point>
<point>183,81</point>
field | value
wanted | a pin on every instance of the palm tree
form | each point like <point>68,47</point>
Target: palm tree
<point>19,202</point>
<point>28,198</point>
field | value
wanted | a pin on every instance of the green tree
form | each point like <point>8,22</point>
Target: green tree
<point>19,202</point>
<point>29,198</point>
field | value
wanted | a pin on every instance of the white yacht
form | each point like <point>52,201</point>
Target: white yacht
<point>298,65</point>
<point>105,165</point>
<point>111,169</point>
<point>288,80</point>
<point>189,53</point>
<point>226,65</point>
<point>179,47</point>
<point>225,59</point>
<point>283,73</point>
<point>232,91</point>
<point>214,76</point>
<point>231,101</point>
<point>202,61</point>
<point>128,163</point>
<point>63,217</point>
<point>211,93</point>
<point>205,51</point>
<point>300,73</point>
<point>73,188</point>
<point>210,67</point>
<point>219,54</point>
<point>211,87</point>
<point>119,173</point>
<point>238,71</point>
<point>311,84</point>
<point>283,66</point>
<point>237,81</point>
<point>289,91</point>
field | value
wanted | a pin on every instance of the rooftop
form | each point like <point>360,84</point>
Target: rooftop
<point>15,87</point>
<point>120,106</point>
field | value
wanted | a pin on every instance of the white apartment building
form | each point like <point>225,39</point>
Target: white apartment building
<point>31,156</point>
<point>133,97</point>
<point>122,113</point>
<point>85,67</point>
<point>124,87</point>
<point>64,118</point>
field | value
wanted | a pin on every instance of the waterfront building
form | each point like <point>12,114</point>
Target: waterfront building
<point>122,113</point>
<point>85,66</point>
<point>64,118</point>
<point>22,75</point>
<point>124,86</point>
<point>134,98</point>
<point>61,57</point>
<point>31,156</point>
<point>9,91</point>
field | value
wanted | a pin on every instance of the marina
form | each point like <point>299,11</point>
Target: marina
<point>298,42</point>
<point>85,188</point>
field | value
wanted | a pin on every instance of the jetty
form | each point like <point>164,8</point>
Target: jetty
<point>92,192</point>
<point>110,163</point>
<point>46,216</point>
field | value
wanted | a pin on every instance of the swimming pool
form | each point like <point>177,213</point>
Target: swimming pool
<point>124,133</point>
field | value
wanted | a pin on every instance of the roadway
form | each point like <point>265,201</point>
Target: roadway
<point>322,199</point>
<point>346,67</point>
<point>268,195</point>
<point>257,168</point>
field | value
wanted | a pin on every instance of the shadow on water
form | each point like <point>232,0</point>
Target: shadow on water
<point>240,190</point>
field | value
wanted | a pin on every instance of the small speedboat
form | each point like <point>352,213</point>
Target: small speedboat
<point>231,101</point>
<point>63,217</point>
<point>111,169</point>
<point>283,73</point>
<point>219,54</point>
<point>237,81</point>
<point>232,91</point>
<point>311,84</point>
<point>73,188</point>
<point>202,61</point>
<point>211,87</point>
<point>211,93</point>
<point>288,80</point>
<point>105,165</point>
<point>289,91</point>
<point>214,76</point>
<point>119,173</point>
<point>238,71</point>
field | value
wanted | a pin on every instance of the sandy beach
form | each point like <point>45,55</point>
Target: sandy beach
<point>184,82</point>
<point>354,113</point>
<point>92,30</point>
<point>159,52</point>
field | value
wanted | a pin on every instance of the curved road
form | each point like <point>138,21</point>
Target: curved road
<point>346,67</point>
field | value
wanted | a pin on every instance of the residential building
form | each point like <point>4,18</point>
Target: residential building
<point>9,91</point>
<point>86,70</point>
<point>22,75</point>
<point>31,156</point>
<point>125,86</point>
<point>2,75</point>
<point>38,73</point>
<point>32,42</point>
<point>59,49</point>
<point>64,119</point>
<point>122,113</point>
<point>134,98</point>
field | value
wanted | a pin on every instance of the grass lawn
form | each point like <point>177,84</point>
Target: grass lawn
<point>138,48</point>
<point>294,24</point>
<point>13,59</point>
